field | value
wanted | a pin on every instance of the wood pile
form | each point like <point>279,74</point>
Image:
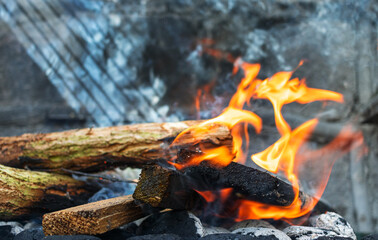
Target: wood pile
<point>34,176</point>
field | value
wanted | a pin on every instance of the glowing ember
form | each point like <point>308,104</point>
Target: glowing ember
<point>282,156</point>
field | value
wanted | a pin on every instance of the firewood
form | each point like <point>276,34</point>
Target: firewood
<point>92,150</point>
<point>92,218</point>
<point>26,193</point>
<point>161,187</point>
<point>166,188</point>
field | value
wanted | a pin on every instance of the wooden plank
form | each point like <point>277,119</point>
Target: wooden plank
<point>92,218</point>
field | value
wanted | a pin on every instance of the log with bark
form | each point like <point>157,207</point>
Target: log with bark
<point>93,218</point>
<point>24,193</point>
<point>92,150</point>
<point>165,188</point>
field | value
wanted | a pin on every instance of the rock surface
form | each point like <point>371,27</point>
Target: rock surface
<point>333,221</point>
<point>71,237</point>
<point>16,226</point>
<point>156,237</point>
<point>371,237</point>
<point>6,232</point>
<point>262,233</point>
<point>252,223</point>
<point>30,234</point>
<point>308,233</point>
<point>214,230</point>
<point>181,223</point>
<point>333,238</point>
<point>117,234</point>
<point>227,236</point>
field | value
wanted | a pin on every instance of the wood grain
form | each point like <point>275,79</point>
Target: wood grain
<point>92,218</point>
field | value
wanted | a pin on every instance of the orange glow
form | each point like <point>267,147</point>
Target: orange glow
<point>209,196</point>
<point>216,53</point>
<point>204,95</point>
<point>287,156</point>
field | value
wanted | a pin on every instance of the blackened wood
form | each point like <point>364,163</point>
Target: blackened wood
<point>163,188</point>
<point>249,183</point>
<point>166,188</point>
<point>92,218</point>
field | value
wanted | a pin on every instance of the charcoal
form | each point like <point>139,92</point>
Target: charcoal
<point>32,224</point>
<point>333,221</point>
<point>116,234</point>
<point>333,238</point>
<point>373,236</point>
<point>214,230</point>
<point>308,233</point>
<point>251,223</point>
<point>227,236</point>
<point>30,234</point>
<point>182,223</point>
<point>262,233</point>
<point>71,237</point>
<point>16,226</point>
<point>156,237</point>
<point>6,232</point>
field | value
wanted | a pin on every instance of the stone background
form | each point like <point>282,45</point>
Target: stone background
<point>157,43</point>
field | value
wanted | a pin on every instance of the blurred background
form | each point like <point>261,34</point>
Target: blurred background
<point>79,63</point>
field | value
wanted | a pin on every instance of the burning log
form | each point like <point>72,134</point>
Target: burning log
<point>92,218</point>
<point>91,150</point>
<point>165,188</point>
<point>24,193</point>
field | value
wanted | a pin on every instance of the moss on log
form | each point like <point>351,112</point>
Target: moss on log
<point>24,193</point>
<point>91,150</point>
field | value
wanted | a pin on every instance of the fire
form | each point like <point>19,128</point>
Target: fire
<point>282,156</point>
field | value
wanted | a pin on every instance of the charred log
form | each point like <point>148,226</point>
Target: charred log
<point>164,188</point>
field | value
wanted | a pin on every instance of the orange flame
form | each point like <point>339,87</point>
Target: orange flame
<point>283,155</point>
<point>323,159</point>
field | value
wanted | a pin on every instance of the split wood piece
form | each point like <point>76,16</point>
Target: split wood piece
<point>165,188</point>
<point>26,193</point>
<point>92,150</point>
<point>92,218</point>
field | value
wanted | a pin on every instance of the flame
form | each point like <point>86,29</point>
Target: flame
<point>282,156</point>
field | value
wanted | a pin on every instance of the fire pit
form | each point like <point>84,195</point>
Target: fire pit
<point>275,106</point>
